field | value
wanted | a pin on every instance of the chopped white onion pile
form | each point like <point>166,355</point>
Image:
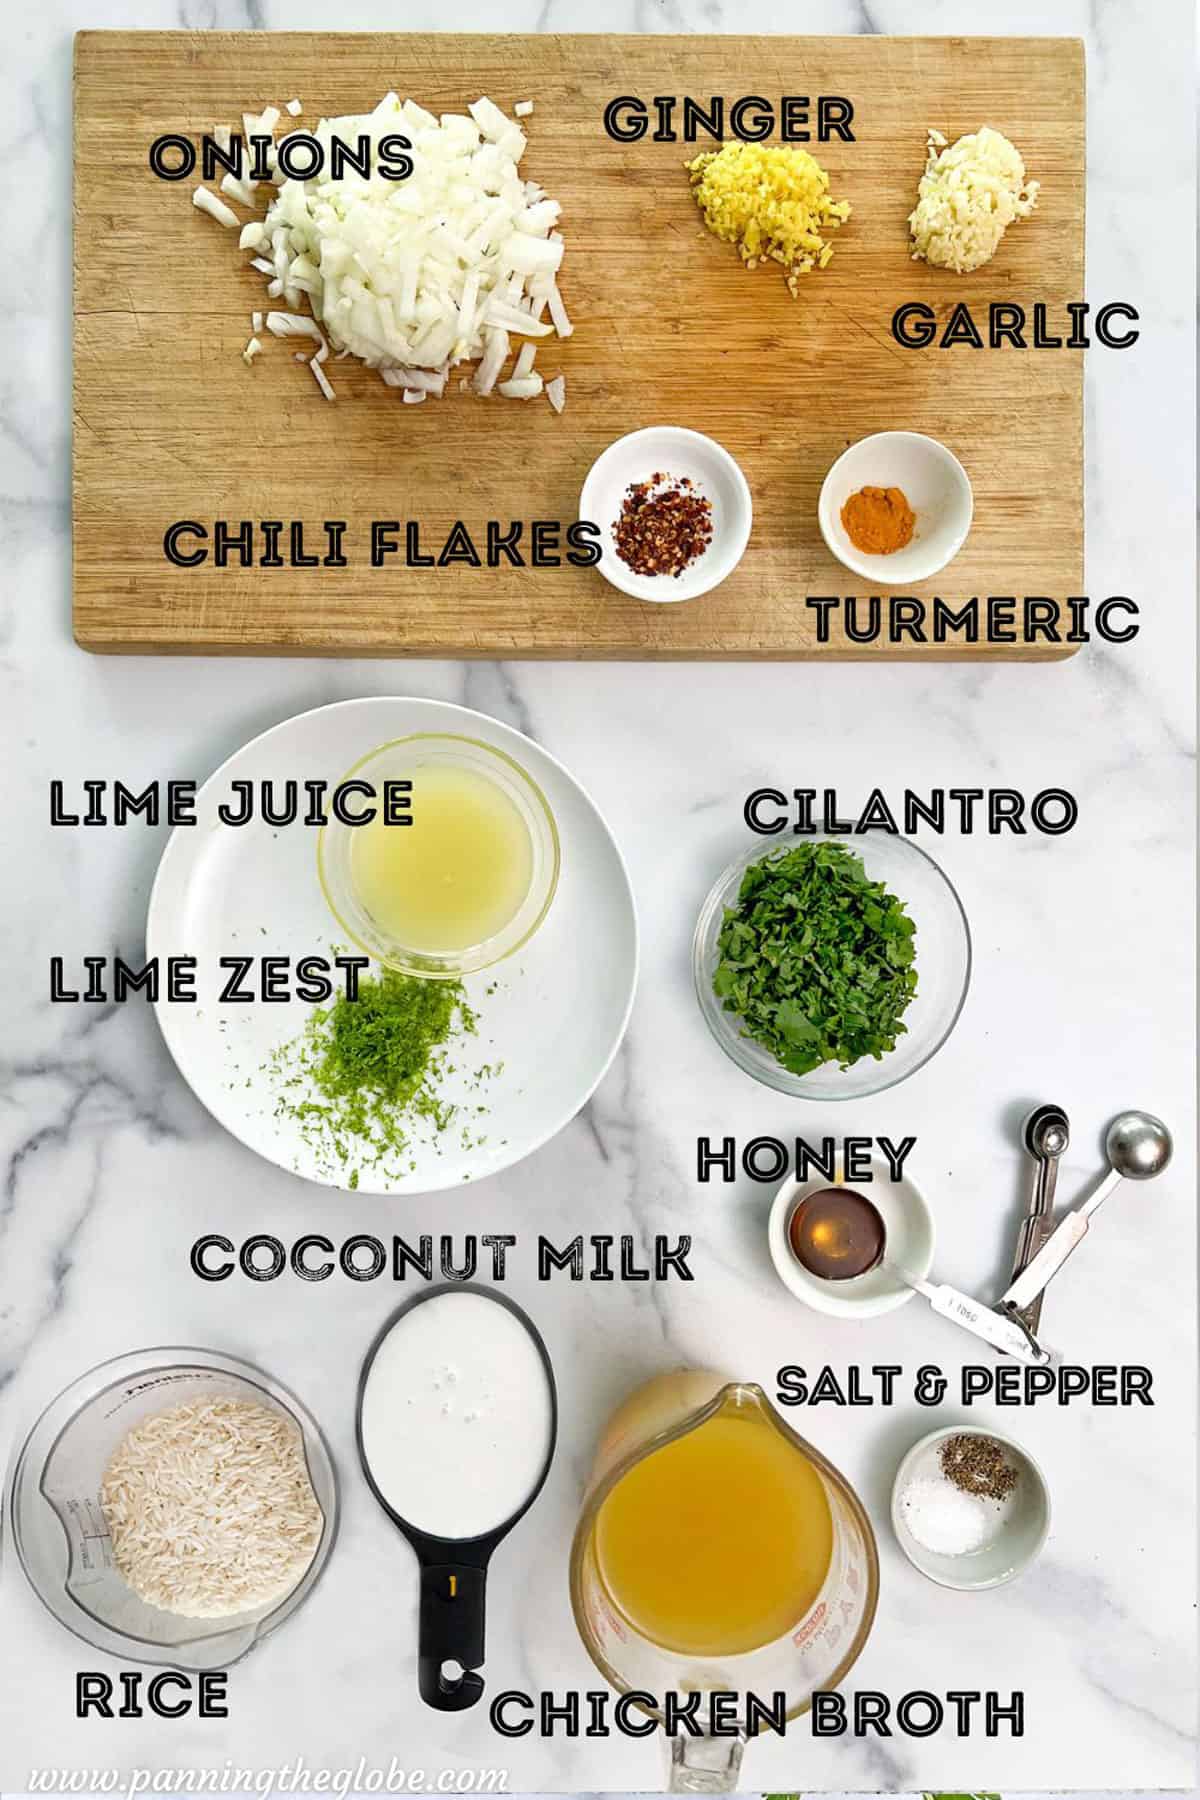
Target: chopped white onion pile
<point>414,276</point>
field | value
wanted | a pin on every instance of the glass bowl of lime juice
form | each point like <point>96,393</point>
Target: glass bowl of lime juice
<point>456,866</point>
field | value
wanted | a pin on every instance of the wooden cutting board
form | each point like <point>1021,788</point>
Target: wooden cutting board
<point>170,424</point>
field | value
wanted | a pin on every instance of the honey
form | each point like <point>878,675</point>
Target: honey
<point>837,1234</point>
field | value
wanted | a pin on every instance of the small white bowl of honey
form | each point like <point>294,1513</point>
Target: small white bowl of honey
<point>837,1245</point>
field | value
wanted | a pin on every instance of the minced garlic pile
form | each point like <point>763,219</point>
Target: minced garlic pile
<point>772,202</point>
<point>968,197</point>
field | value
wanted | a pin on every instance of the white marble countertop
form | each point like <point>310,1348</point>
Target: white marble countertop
<point>1082,993</point>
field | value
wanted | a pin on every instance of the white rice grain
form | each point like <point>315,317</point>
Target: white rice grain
<point>210,1508</point>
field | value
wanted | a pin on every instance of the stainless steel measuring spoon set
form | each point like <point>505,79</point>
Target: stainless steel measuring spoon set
<point>1137,1146</point>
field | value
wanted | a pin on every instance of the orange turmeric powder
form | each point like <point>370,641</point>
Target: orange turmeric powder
<point>878,520</point>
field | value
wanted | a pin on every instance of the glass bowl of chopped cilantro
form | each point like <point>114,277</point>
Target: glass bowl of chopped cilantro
<point>831,968</point>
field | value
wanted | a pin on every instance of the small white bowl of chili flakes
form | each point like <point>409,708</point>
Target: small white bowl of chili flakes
<point>674,513</point>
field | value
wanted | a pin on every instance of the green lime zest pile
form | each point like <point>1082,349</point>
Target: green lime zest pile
<point>363,1078</point>
<point>816,959</point>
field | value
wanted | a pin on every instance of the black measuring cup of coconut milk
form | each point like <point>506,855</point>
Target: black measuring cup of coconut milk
<point>457,1420</point>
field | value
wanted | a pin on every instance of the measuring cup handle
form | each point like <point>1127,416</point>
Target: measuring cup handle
<point>705,1765</point>
<point>451,1631</point>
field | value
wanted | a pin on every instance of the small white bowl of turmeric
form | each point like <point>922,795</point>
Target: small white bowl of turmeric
<point>896,508</point>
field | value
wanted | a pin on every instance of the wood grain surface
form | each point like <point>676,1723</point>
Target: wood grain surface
<point>170,424</point>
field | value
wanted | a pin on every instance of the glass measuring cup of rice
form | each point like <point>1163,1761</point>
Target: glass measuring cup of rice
<point>53,1509</point>
<point>458,864</point>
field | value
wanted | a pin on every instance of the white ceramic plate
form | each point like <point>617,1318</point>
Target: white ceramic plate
<point>554,1022</point>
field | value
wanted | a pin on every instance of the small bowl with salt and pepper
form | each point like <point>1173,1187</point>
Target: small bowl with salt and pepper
<point>970,1508</point>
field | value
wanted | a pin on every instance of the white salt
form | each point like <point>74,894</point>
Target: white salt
<point>944,1519</point>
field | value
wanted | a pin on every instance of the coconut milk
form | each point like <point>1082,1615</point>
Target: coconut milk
<point>457,1416</point>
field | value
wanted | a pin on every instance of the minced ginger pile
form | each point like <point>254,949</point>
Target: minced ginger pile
<point>772,202</point>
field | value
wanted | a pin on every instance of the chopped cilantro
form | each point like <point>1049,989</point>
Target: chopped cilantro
<point>816,959</point>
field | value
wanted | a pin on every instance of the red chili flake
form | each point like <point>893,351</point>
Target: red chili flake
<point>665,524</point>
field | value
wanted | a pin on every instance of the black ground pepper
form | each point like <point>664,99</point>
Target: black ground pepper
<point>978,1465</point>
<point>665,524</point>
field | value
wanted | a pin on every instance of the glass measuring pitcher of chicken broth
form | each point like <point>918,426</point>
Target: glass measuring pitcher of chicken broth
<point>718,1552</point>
